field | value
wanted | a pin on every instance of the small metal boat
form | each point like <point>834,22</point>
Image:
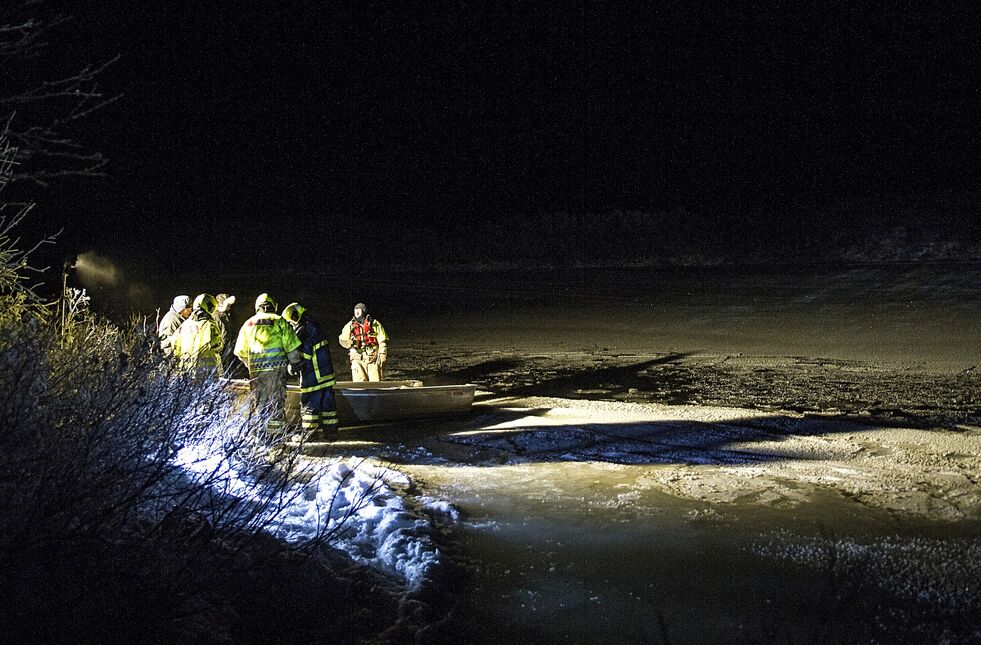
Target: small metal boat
<point>383,401</point>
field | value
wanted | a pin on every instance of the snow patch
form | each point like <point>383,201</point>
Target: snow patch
<point>356,502</point>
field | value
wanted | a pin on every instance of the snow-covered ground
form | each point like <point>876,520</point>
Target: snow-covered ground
<point>361,506</point>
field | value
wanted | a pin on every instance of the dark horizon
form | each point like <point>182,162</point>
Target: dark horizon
<point>240,127</point>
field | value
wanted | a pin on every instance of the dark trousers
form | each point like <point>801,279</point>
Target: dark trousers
<point>269,398</point>
<point>317,411</point>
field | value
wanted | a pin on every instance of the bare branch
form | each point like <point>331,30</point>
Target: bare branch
<point>47,109</point>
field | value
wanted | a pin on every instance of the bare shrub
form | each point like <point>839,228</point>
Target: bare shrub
<point>136,502</point>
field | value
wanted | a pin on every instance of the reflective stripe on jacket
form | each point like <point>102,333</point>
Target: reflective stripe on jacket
<point>264,341</point>
<point>317,371</point>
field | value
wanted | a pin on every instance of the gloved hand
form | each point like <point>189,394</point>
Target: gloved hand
<point>381,360</point>
<point>354,355</point>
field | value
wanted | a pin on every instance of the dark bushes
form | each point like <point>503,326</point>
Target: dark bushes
<point>105,537</point>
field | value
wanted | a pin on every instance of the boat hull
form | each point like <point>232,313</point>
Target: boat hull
<point>383,401</point>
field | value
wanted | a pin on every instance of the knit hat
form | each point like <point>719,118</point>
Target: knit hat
<point>364,311</point>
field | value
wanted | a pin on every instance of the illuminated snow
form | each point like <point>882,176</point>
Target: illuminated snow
<point>357,500</point>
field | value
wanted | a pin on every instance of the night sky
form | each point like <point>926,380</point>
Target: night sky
<point>260,128</point>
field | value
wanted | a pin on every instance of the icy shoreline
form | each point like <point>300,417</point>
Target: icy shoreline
<point>360,505</point>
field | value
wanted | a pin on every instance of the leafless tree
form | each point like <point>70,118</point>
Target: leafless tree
<point>14,259</point>
<point>40,109</point>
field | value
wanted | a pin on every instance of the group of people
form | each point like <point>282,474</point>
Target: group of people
<point>212,338</point>
<point>273,347</point>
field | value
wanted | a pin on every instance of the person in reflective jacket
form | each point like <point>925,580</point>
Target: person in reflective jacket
<point>317,411</point>
<point>368,344</point>
<point>266,344</point>
<point>197,343</point>
<point>171,322</point>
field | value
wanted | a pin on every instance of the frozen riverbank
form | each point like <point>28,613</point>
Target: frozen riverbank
<point>580,520</point>
<point>696,456</point>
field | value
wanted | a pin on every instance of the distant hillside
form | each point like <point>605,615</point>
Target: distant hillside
<point>937,227</point>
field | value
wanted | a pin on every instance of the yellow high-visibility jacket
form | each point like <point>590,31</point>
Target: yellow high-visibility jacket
<point>265,341</point>
<point>197,342</point>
